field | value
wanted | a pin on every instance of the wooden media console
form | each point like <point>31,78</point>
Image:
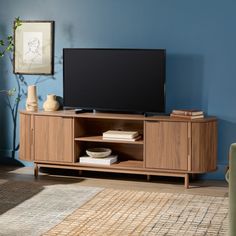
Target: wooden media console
<point>168,147</point>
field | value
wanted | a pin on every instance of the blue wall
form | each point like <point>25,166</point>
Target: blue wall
<point>199,36</point>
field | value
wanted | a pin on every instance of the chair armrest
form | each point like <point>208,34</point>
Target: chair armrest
<point>232,189</point>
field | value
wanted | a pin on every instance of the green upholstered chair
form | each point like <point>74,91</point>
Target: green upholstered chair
<point>231,178</point>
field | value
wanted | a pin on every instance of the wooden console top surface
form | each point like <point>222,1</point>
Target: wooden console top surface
<point>101,115</point>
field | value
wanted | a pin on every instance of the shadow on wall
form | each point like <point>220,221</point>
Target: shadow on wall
<point>226,136</point>
<point>5,118</point>
<point>184,81</point>
<point>68,30</point>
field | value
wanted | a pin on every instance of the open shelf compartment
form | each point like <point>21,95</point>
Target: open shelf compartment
<point>129,156</point>
<point>87,129</point>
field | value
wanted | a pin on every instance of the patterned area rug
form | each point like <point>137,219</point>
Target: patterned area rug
<point>30,209</point>
<point>120,212</point>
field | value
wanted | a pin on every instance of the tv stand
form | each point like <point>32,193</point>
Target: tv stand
<point>168,147</point>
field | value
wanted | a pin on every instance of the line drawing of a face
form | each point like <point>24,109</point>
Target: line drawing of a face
<point>33,46</point>
<point>33,53</point>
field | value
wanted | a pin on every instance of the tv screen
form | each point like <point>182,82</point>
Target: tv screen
<point>126,80</point>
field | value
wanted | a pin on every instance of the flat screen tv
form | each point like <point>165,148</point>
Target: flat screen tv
<point>121,80</point>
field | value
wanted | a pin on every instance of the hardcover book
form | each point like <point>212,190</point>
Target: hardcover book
<point>119,134</point>
<point>103,161</point>
<point>122,139</point>
<point>187,116</point>
<point>190,112</point>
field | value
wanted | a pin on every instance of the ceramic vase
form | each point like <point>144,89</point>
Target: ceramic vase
<point>51,104</point>
<point>32,99</point>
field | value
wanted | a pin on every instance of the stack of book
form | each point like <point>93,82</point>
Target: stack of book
<point>98,161</point>
<point>188,114</point>
<point>121,135</point>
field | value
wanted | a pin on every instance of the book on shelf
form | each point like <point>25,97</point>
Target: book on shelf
<point>120,134</point>
<point>122,139</point>
<point>100,161</point>
<point>190,112</point>
<point>187,116</point>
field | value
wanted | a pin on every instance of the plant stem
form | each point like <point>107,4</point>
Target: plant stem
<point>14,117</point>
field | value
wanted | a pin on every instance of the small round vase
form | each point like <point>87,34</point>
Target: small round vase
<point>32,99</point>
<point>51,104</point>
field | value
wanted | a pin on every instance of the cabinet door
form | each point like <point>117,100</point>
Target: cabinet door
<point>26,137</point>
<point>166,145</point>
<point>53,139</point>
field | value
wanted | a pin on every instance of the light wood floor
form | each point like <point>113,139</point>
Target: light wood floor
<point>110,180</point>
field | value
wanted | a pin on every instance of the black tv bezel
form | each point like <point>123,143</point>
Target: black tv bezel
<point>131,111</point>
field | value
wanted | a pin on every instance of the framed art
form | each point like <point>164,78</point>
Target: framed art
<point>34,48</point>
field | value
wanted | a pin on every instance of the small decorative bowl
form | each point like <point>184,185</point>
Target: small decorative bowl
<point>98,152</point>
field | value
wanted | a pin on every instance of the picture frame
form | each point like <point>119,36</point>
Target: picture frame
<point>34,48</point>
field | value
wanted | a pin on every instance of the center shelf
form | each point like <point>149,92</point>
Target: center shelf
<point>100,139</point>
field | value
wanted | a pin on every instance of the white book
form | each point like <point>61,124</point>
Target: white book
<point>103,161</point>
<point>119,134</point>
<point>122,139</point>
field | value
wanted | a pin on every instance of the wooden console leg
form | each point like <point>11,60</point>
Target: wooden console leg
<point>186,181</point>
<point>36,170</point>
<point>148,177</point>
